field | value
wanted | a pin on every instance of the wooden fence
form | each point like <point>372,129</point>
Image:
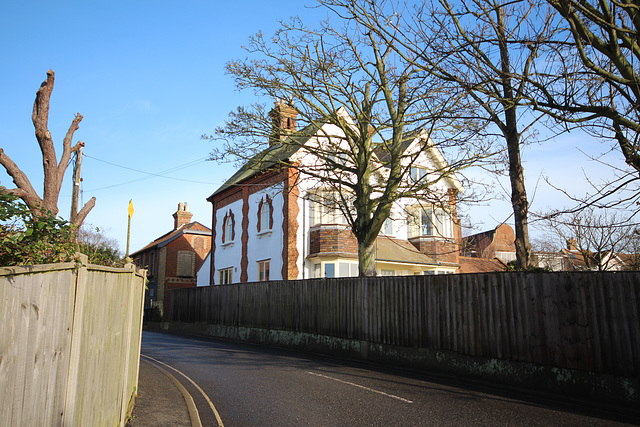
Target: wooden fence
<point>69,344</point>
<point>581,321</point>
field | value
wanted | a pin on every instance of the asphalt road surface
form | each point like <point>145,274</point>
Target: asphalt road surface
<point>251,385</point>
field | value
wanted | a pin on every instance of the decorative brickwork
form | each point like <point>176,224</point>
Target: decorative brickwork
<point>244,261</point>
<point>290,226</point>
<point>226,199</point>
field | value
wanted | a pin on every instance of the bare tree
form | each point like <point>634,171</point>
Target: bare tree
<point>597,235</point>
<point>474,49</point>
<point>376,103</point>
<point>594,82</point>
<point>53,170</point>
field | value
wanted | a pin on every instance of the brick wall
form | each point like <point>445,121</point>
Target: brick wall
<point>331,240</point>
<point>504,239</point>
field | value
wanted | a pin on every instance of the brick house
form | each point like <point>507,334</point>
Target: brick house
<point>173,259</point>
<point>497,243</point>
<point>272,222</point>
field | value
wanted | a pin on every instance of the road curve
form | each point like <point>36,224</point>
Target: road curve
<point>248,385</point>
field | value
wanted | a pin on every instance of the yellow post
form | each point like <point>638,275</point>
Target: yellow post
<point>129,226</point>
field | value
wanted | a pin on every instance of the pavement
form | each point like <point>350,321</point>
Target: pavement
<point>162,400</point>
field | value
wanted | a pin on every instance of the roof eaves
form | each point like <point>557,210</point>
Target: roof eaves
<point>269,157</point>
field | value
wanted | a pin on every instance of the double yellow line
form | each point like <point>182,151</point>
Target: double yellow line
<point>193,411</point>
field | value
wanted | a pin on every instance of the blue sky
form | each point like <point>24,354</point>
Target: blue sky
<point>148,77</point>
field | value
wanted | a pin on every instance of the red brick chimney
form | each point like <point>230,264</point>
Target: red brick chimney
<point>283,117</point>
<point>182,216</point>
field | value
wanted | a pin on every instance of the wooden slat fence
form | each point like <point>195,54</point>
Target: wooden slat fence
<point>69,344</point>
<point>584,321</point>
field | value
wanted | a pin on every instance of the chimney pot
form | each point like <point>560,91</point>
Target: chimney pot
<point>182,216</point>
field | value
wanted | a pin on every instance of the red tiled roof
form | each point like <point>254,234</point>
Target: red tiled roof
<point>192,227</point>
<point>480,265</point>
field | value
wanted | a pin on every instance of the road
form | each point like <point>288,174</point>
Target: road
<point>251,385</point>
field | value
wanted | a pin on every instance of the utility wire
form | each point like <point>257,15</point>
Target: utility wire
<point>151,174</point>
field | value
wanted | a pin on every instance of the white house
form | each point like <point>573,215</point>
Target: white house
<point>273,222</point>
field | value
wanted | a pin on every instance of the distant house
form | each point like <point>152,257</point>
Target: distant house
<point>497,243</point>
<point>272,222</point>
<point>173,259</point>
<point>573,259</point>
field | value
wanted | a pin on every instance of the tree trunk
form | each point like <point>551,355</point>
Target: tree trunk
<point>519,203</point>
<point>367,258</point>
<point>516,171</point>
<point>53,170</point>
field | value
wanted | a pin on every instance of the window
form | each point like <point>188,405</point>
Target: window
<point>417,173</point>
<point>388,272</point>
<point>430,222</point>
<point>426,222</point>
<point>186,264</point>
<point>355,270</point>
<point>228,225</point>
<point>265,214</point>
<point>420,222</point>
<point>225,276</point>
<point>325,209</point>
<point>263,270</point>
<point>343,269</point>
<point>329,270</point>
<point>152,264</point>
<point>340,158</point>
<point>388,225</point>
<point>335,269</point>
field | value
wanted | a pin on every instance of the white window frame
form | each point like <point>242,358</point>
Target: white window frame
<point>417,173</point>
<point>321,210</point>
<point>264,270</point>
<point>265,215</point>
<point>228,224</point>
<point>387,228</point>
<point>430,221</point>
<point>225,276</point>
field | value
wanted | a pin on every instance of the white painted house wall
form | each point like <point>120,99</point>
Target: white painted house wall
<point>228,254</point>
<point>266,245</point>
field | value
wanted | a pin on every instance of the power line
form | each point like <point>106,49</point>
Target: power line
<point>151,174</point>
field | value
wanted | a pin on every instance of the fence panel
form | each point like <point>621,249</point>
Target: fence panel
<point>66,328</point>
<point>584,321</point>
<point>35,342</point>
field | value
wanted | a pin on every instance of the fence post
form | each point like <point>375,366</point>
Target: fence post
<point>125,399</point>
<point>76,333</point>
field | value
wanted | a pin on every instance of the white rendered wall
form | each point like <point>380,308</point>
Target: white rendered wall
<point>265,244</point>
<point>229,254</point>
<point>202,277</point>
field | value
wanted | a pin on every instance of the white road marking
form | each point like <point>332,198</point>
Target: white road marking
<point>213,408</point>
<point>362,387</point>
